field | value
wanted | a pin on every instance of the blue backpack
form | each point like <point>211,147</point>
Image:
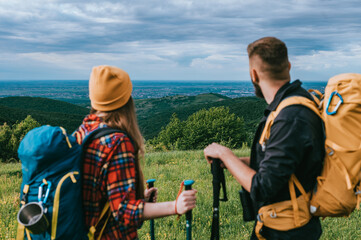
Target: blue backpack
<point>51,191</point>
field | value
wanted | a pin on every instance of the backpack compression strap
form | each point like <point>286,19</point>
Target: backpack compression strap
<point>105,213</point>
<point>278,215</point>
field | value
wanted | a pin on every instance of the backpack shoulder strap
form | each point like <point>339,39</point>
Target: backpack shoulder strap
<point>296,100</point>
<point>101,132</point>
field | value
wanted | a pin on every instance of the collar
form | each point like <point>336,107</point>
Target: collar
<point>92,122</point>
<point>91,118</point>
<point>281,94</point>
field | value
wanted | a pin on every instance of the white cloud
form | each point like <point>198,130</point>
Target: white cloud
<point>219,61</point>
<point>325,64</point>
<point>323,60</point>
<point>187,38</point>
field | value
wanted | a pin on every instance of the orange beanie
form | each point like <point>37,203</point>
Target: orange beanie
<point>109,88</point>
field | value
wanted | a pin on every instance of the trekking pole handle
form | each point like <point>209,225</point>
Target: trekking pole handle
<point>150,184</point>
<point>218,176</point>
<point>216,167</point>
<point>188,186</point>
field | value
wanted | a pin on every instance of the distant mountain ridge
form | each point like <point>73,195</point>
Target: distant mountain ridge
<point>153,114</point>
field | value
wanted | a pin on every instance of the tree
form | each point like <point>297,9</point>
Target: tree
<point>170,135</point>
<point>202,128</point>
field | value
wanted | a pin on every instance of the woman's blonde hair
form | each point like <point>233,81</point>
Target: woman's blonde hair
<point>124,118</point>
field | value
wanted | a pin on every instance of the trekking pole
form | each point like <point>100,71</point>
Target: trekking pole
<point>218,181</point>
<point>188,186</point>
<point>150,184</point>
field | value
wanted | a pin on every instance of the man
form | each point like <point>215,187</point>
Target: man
<point>295,146</point>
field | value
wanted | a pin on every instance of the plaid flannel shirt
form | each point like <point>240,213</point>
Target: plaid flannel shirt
<point>109,175</point>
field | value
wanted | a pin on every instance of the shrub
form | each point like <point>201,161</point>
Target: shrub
<point>10,138</point>
<point>5,147</point>
<point>200,129</point>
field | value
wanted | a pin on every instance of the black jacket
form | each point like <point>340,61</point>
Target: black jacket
<point>296,145</point>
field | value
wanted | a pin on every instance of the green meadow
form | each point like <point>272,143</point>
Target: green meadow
<point>170,169</point>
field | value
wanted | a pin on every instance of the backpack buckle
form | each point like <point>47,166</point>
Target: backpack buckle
<point>263,146</point>
<point>273,214</point>
<point>331,152</point>
<point>259,217</point>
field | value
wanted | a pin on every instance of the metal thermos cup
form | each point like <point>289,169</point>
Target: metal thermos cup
<point>32,216</point>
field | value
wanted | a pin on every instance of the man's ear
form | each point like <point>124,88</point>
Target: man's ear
<point>289,66</point>
<point>254,76</point>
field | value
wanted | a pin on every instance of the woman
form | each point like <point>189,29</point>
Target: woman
<point>112,171</point>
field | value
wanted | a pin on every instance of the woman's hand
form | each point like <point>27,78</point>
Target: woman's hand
<point>148,192</point>
<point>186,201</point>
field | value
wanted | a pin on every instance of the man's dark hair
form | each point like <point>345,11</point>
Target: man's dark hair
<point>273,53</point>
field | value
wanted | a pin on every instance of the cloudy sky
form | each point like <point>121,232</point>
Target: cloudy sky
<point>174,39</point>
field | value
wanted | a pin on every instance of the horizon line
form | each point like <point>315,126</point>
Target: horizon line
<point>148,80</point>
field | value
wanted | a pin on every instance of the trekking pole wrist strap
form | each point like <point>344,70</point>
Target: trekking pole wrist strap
<point>176,200</point>
<point>175,208</point>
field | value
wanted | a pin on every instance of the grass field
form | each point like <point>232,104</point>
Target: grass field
<point>170,169</point>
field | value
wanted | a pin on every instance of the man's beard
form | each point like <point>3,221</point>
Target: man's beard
<point>257,90</point>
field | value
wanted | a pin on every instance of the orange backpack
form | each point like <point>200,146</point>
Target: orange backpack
<point>338,190</point>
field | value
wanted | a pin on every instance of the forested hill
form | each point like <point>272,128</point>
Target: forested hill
<point>153,114</point>
<point>43,105</point>
<point>43,110</point>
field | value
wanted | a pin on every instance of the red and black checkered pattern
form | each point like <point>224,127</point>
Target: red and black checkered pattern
<point>109,175</point>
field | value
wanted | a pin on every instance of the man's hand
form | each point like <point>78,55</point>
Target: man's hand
<point>148,192</point>
<point>238,167</point>
<point>216,150</point>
